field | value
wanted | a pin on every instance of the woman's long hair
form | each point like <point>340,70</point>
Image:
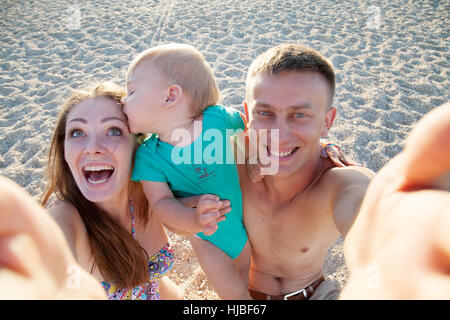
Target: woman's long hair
<point>117,254</point>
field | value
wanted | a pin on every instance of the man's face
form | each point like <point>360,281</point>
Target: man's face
<point>297,104</point>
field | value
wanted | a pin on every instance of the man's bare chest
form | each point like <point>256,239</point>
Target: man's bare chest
<point>302,225</point>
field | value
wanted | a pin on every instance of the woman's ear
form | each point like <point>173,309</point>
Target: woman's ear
<point>173,95</point>
<point>329,119</point>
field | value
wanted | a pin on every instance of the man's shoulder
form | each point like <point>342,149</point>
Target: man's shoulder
<point>347,186</point>
<point>342,177</point>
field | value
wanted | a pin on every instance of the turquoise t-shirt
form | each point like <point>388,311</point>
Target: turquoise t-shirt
<point>205,166</point>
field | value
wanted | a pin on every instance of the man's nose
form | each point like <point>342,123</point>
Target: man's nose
<point>284,132</point>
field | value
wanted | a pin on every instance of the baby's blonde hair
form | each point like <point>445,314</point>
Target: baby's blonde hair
<point>184,65</point>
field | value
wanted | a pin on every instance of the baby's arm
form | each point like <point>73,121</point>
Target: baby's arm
<point>175,215</point>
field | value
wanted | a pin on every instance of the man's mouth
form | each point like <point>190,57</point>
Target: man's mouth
<point>98,174</point>
<point>282,153</point>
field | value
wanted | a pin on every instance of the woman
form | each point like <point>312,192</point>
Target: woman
<point>103,214</point>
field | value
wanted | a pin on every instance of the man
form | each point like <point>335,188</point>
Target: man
<point>295,215</point>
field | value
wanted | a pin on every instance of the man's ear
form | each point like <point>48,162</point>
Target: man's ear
<point>329,119</point>
<point>173,95</point>
<point>246,111</point>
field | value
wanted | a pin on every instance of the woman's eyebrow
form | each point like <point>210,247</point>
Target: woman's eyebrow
<point>78,119</point>
<point>113,118</point>
<point>103,120</point>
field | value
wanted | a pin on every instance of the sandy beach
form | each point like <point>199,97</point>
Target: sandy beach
<point>391,59</point>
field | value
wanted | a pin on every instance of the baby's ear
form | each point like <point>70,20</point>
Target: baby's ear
<point>174,94</point>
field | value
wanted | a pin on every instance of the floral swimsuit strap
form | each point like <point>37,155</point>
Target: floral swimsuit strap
<point>158,264</point>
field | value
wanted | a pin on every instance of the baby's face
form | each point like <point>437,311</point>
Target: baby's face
<point>146,95</point>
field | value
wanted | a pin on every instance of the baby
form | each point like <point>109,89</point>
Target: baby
<point>172,94</point>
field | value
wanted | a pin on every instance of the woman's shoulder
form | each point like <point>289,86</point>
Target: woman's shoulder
<point>65,214</point>
<point>70,222</point>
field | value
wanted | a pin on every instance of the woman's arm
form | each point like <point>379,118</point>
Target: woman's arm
<point>35,259</point>
<point>68,219</point>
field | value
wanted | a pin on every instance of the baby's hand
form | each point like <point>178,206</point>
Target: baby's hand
<point>209,212</point>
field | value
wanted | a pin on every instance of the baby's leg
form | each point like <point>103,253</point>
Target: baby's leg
<point>221,270</point>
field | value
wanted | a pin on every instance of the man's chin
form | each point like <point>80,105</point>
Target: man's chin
<point>282,170</point>
<point>278,174</point>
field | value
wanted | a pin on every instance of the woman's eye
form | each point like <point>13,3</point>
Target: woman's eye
<point>75,133</point>
<point>115,132</point>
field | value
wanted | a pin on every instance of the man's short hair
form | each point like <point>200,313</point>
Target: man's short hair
<point>292,57</point>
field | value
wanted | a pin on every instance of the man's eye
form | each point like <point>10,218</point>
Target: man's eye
<point>264,113</point>
<point>300,115</point>
<point>75,133</point>
<point>115,132</point>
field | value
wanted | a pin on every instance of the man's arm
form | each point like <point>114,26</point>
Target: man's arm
<point>352,183</point>
<point>179,217</point>
<point>399,245</point>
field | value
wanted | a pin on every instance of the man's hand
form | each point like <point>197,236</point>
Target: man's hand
<point>399,245</point>
<point>210,210</point>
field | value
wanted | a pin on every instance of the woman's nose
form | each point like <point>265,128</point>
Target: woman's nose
<point>95,146</point>
<point>123,101</point>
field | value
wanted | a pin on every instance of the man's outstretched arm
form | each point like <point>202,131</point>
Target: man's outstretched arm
<point>399,245</point>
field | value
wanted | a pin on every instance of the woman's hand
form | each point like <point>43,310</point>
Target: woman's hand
<point>35,259</point>
<point>332,151</point>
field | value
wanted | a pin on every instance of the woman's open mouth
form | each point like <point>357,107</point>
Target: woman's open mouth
<point>98,174</point>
